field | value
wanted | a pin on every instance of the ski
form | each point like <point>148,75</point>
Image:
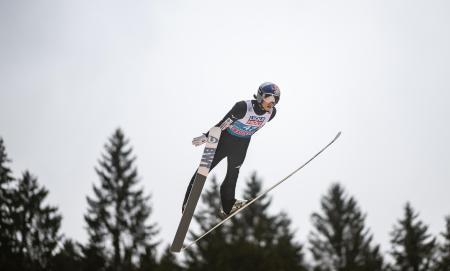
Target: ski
<point>260,195</point>
<point>197,186</point>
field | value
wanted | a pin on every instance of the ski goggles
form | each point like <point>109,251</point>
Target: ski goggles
<point>271,98</point>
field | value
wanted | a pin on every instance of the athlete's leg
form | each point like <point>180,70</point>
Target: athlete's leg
<point>228,187</point>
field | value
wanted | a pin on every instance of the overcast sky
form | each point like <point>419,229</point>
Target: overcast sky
<point>71,72</point>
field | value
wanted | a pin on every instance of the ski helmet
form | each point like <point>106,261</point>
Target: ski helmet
<point>267,89</point>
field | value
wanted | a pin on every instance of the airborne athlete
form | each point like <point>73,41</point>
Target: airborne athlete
<point>238,126</point>
<point>230,138</point>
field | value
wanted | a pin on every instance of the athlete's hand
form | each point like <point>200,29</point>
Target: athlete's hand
<point>197,141</point>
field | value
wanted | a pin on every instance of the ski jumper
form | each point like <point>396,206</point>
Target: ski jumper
<point>245,119</point>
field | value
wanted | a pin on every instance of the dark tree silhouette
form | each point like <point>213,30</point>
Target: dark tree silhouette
<point>340,240</point>
<point>443,261</point>
<point>412,246</point>
<point>7,260</point>
<point>118,212</point>
<point>36,225</point>
<point>268,236</point>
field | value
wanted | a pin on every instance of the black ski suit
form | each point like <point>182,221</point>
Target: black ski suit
<point>235,149</point>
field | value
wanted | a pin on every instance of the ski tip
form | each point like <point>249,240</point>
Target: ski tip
<point>338,135</point>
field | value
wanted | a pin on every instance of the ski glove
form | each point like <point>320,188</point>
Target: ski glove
<point>197,141</point>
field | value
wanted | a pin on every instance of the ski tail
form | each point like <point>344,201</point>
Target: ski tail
<point>197,187</point>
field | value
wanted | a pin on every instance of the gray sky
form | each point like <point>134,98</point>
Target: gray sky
<point>71,72</point>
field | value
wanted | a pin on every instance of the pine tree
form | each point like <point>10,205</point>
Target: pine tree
<point>268,239</point>
<point>412,246</point>
<point>7,260</point>
<point>340,240</point>
<point>118,213</point>
<point>443,262</point>
<point>36,225</point>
